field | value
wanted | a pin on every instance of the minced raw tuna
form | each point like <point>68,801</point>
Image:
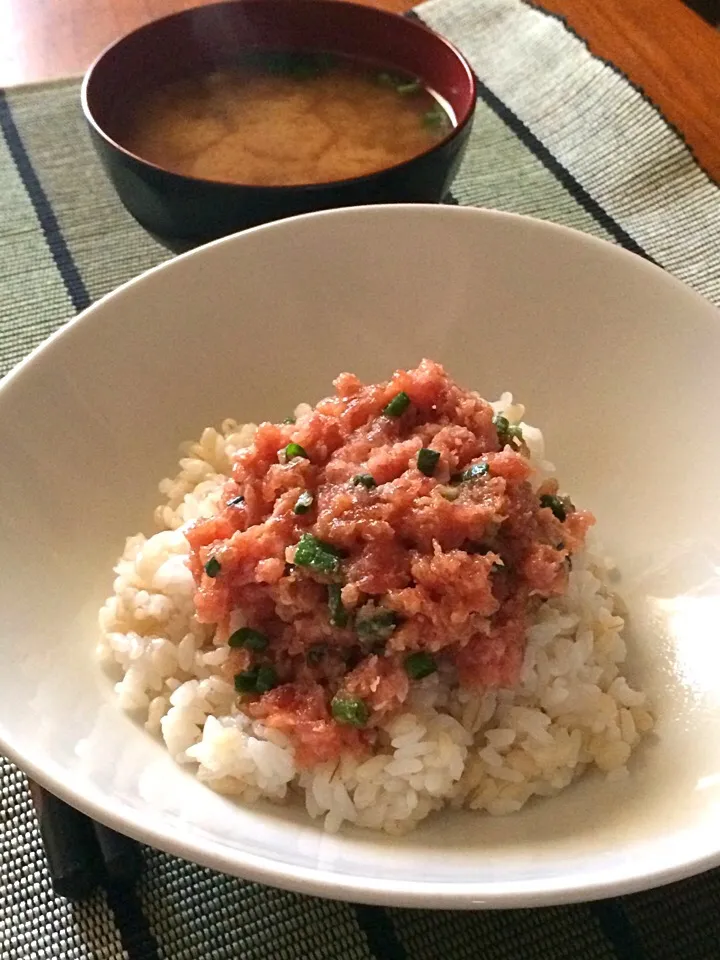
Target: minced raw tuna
<point>392,530</point>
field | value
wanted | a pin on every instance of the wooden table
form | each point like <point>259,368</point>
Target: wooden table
<point>665,48</point>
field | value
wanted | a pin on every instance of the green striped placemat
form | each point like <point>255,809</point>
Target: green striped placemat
<point>559,135</point>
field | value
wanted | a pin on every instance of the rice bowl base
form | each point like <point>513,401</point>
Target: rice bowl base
<point>616,358</point>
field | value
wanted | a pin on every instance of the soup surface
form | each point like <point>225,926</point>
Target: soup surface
<point>287,118</point>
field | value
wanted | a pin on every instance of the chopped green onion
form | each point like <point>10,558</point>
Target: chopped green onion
<point>248,638</point>
<point>236,501</point>
<point>475,471</point>
<point>408,88</point>
<point>315,654</point>
<point>267,678</point>
<point>212,567</point>
<point>507,432</point>
<point>338,614</point>
<point>363,480</point>
<point>303,502</point>
<point>389,79</point>
<point>560,506</point>
<point>398,405</point>
<point>289,420</point>
<point>317,555</point>
<point>419,665</point>
<point>295,450</point>
<point>435,118</point>
<point>405,86</point>
<point>555,504</point>
<point>245,681</point>
<point>427,460</point>
<point>379,626</point>
<point>256,680</point>
<point>501,424</point>
<point>350,710</point>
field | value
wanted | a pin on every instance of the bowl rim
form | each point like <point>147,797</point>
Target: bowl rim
<point>657,867</point>
<point>324,186</point>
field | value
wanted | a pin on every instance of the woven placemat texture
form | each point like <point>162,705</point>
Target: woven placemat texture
<point>559,135</point>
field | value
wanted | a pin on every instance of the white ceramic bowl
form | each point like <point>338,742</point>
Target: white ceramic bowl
<point>618,363</point>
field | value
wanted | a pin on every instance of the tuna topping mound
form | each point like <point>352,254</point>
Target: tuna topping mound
<point>389,531</point>
<point>383,604</point>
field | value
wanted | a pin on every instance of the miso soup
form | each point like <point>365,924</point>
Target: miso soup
<point>277,119</point>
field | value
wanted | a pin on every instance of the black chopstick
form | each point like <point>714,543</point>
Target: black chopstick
<point>121,857</point>
<point>82,854</point>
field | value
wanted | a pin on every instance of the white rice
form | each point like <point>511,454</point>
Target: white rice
<point>572,709</point>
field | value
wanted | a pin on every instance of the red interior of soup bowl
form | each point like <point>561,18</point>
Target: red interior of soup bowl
<point>205,38</point>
